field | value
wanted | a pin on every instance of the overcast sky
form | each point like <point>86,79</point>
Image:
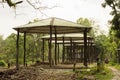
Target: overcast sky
<point>67,9</point>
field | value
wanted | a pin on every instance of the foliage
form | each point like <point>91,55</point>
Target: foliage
<point>114,65</point>
<point>105,47</point>
<point>3,63</point>
<point>85,21</point>
<point>114,33</point>
<point>10,48</point>
<point>1,44</point>
<point>115,22</point>
<point>91,23</point>
<point>33,48</point>
<point>106,74</point>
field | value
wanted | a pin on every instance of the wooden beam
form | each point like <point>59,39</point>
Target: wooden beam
<point>67,52</point>
<point>55,45</point>
<point>82,54</point>
<point>58,53</point>
<point>43,50</point>
<point>50,43</point>
<point>63,55</point>
<point>88,51</point>
<point>17,47</point>
<point>85,48</point>
<point>71,49</point>
<point>50,47</point>
<point>24,49</point>
<point>74,53</point>
<point>91,51</point>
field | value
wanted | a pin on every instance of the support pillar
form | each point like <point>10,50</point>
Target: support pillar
<point>91,51</point>
<point>55,45</point>
<point>58,53</point>
<point>50,47</point>
<point>17,51</point>
<point>43,50</point>
<point>63,55</point>
<point>24,48</point>
<point>71,49</point>
<point>88,51</point>
<point>85,48</point>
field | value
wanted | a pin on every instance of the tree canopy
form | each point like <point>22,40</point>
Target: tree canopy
<point>115,22</point>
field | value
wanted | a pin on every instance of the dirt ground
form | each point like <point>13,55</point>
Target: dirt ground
<point>37,73</point>
<point>116,73</point>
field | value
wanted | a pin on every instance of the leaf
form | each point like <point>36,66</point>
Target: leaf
<point>103,5</point>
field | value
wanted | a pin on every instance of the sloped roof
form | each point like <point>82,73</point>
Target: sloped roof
<point>43,26</point>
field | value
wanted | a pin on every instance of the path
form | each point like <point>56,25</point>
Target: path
<point>116,73</point>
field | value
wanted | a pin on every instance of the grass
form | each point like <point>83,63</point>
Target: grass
<point>106,74</point>
<point>115,65</point>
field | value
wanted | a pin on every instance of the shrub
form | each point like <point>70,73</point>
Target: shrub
<point>3,63</point>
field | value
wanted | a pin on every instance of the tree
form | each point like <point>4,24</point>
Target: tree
<point>115,22</point>
<point>10,49</point>
<point>1,44</point>
<point>104,48</point>
<point>85,21</point>
<point>11,3</point>
<point>36,4</point>
<point>91,23</point>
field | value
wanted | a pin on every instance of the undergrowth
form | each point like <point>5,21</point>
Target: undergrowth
<point>105,74</point>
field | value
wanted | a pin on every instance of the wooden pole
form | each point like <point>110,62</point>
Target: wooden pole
<point>82,54</point>
<point>88,50</point>
<point>91,51</point>
<point>63,56</point>
<point>24,48</point>
<point>74,53</point>
<point>71,49</point>
<point>58,53</point>
<point>17,47</point>
<point>55,45</point>
<point>85,48</point>
<point>67,53</point>
<point>43,50</point>
<point>50,47</point>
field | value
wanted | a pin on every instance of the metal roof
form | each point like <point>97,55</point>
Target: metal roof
<point>43,26</point>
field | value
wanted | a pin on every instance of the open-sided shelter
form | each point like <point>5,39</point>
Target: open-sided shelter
<point>73,43</point>
<point>50,26</point>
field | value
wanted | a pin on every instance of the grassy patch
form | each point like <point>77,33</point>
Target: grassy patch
<point>106,74</point>
<point>115,65</point>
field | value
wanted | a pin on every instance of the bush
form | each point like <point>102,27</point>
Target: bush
<point>3,63</point>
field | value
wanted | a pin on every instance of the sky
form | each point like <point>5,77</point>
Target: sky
<point>67,9</point>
